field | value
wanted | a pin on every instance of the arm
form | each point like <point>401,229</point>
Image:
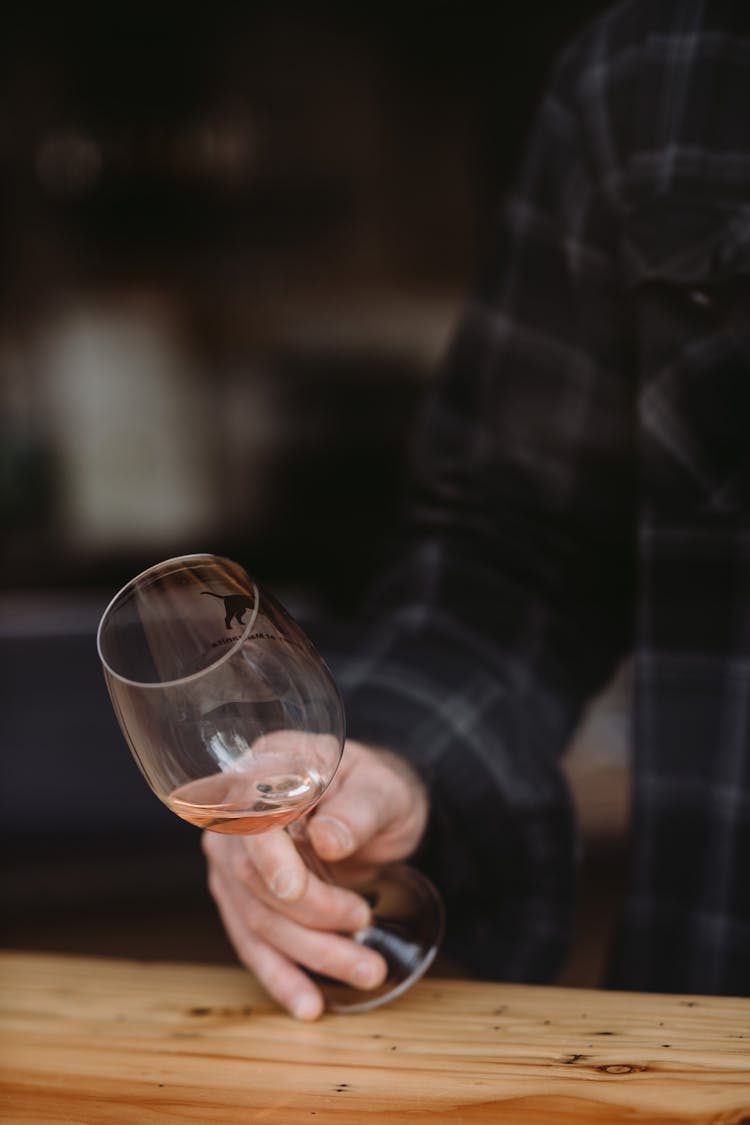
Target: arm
<point>510,604</point>
<point>509,607</point>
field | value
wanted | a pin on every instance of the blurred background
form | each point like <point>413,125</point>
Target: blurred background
<point>233,245</point>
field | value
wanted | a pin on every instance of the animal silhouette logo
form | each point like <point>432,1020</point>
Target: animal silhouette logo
<point>235,606</point>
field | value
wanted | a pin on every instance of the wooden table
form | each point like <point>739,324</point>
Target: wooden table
<point>104,1042</point>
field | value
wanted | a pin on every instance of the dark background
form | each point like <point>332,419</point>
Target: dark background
<point>233,245</point>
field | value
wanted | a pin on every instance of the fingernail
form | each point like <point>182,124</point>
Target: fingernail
<point>306,1008</point>
<point>287,885</point>
<point>339,831</point>
<point>365,975</point>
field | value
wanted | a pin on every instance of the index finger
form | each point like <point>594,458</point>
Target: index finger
<point>272,856</point>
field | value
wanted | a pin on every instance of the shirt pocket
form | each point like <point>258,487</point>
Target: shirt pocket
<point>688,269</point>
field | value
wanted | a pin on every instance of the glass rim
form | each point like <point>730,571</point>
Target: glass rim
<point>230,650</point>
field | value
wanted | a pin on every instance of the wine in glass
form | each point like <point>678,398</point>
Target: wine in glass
<point>237,725</point>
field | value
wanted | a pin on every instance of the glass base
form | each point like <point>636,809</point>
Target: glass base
<point>407,928</point>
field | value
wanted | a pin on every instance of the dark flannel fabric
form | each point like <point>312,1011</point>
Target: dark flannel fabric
<point>580,495</point>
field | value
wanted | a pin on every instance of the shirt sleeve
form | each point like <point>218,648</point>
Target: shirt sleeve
<point>508,602</point>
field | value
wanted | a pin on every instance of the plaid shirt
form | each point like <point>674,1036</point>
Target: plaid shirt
<point>581,492</point>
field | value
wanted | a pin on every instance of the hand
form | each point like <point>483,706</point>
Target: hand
<point>278,915</point>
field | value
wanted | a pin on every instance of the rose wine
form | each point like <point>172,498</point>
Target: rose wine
<point>246,801</point>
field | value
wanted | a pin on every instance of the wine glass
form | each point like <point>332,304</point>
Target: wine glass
<point>237,725</point>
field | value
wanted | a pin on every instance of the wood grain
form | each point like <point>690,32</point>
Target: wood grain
<point>102,1042</point>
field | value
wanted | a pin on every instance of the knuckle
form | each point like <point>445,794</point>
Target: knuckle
<point>258,919</point>
<point>214,883</point>
<point>330,962</point>
<point>247,951</point>
<point>242,867</point>
<point>257,950</point>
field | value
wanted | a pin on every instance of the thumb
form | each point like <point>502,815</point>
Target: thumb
<point>331,836</point>
<point>377,808</point>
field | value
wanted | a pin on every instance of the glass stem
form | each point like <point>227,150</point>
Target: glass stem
<point>301,838</point>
